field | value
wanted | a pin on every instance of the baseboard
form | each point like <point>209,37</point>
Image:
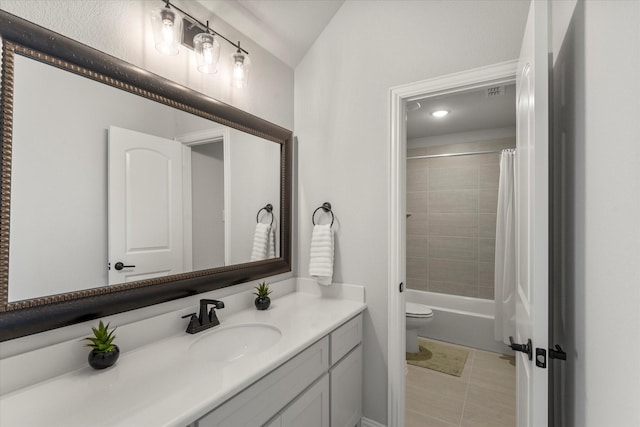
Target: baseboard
<point>366,422</point>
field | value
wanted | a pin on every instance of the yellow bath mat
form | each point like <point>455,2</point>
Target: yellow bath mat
<point>439,357</point>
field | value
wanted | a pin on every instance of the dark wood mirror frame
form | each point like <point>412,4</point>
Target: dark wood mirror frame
<point>28,317</point>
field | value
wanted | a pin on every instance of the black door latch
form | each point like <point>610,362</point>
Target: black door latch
<point>557,353</point>
<point>525,348</point>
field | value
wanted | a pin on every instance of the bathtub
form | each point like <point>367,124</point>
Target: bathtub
<point>459,320</point>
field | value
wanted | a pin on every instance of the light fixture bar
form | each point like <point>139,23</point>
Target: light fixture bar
<point>205,27</point>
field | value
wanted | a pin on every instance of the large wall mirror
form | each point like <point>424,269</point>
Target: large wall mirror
<point>121,189</point>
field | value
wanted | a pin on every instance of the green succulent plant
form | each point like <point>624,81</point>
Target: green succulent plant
<point>102,339</point>
<point>262,290</point>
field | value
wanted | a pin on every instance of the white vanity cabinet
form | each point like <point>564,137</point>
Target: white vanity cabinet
<point>319,387</point>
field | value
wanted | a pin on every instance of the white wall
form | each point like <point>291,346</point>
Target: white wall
<point>596,52</point>
<point>342,122</point>
<point>255,165</point>
<point>122,28</point>
<point>612,184</point>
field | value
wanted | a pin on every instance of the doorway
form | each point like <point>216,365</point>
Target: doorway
<point>206,160</point>
<point>494,76</point>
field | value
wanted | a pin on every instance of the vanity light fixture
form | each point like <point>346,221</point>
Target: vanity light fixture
<point>207,51</point>
<point>167,29</point>
<point>440,113</point>
<point>241,67</point>
<point>170,29</point>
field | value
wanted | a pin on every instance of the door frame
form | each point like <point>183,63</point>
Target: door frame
<point>211,135</point>
<point>501,73</point>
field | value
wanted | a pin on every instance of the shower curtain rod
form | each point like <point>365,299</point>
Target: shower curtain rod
<point>468,153</point>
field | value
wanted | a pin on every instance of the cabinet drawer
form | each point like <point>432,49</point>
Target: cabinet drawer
<point>345,338</point>
<point>261,401</point>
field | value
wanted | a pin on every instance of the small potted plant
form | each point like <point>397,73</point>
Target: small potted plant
<point>104,352</point>
<point>262,292</point>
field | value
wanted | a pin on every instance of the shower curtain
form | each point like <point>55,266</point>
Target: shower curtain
<point>505,262</point>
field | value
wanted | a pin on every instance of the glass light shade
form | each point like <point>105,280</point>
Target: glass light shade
<point>167,30</point>
<point>207,51</point>
<point>241,67</point>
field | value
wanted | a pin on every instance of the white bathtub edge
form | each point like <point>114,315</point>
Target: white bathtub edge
<point>457,323</point>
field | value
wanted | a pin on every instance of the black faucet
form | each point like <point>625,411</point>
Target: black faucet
<point>204,320</point>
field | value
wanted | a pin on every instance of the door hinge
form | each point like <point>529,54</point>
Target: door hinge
<point>541,357</point>
<point>401,287</point>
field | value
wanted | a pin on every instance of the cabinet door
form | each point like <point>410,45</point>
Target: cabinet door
<point>311,409</point>
<point>346,390</point>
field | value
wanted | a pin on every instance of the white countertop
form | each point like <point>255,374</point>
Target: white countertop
<point>161,385</point>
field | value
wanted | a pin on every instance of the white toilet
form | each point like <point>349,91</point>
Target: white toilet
<point>417,316</point>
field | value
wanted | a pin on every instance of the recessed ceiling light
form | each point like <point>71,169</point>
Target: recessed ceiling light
<point>440,113</point>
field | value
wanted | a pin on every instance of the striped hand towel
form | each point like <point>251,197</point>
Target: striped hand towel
<point>321,260</point>
<point>271,250</point>
<point>260,242</point>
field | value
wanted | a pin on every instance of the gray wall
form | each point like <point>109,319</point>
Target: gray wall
<point>451,230</point>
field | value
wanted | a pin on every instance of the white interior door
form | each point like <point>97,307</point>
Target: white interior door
<point>532,213</point>
<point>145,206</point>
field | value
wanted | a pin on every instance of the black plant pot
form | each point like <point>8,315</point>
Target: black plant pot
<point>262,303</point>
<point>103,359</point>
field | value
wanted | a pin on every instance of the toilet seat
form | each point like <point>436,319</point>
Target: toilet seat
<point>418,311</point>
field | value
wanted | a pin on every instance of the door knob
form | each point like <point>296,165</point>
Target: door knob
<point>525,348</point>
<point>119,266</point>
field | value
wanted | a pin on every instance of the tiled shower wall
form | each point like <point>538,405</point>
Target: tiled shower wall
<point>451,229</point>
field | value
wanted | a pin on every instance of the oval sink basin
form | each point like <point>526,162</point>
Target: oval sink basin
<point>234,342</point>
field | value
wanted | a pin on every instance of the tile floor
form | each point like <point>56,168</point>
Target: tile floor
<point>483,396</point>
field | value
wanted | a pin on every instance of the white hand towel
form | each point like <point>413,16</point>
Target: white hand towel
<point>321,260</point>
<point>260,242</point>
<point>271,250</point>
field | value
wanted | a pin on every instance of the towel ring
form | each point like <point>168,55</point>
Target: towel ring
<point>269,209</point>
<point>326,207</point>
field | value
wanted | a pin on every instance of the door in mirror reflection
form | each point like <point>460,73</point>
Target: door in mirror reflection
<point>145,203</point>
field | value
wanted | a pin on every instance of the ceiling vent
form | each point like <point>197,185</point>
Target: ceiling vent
<point>490,92</point>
